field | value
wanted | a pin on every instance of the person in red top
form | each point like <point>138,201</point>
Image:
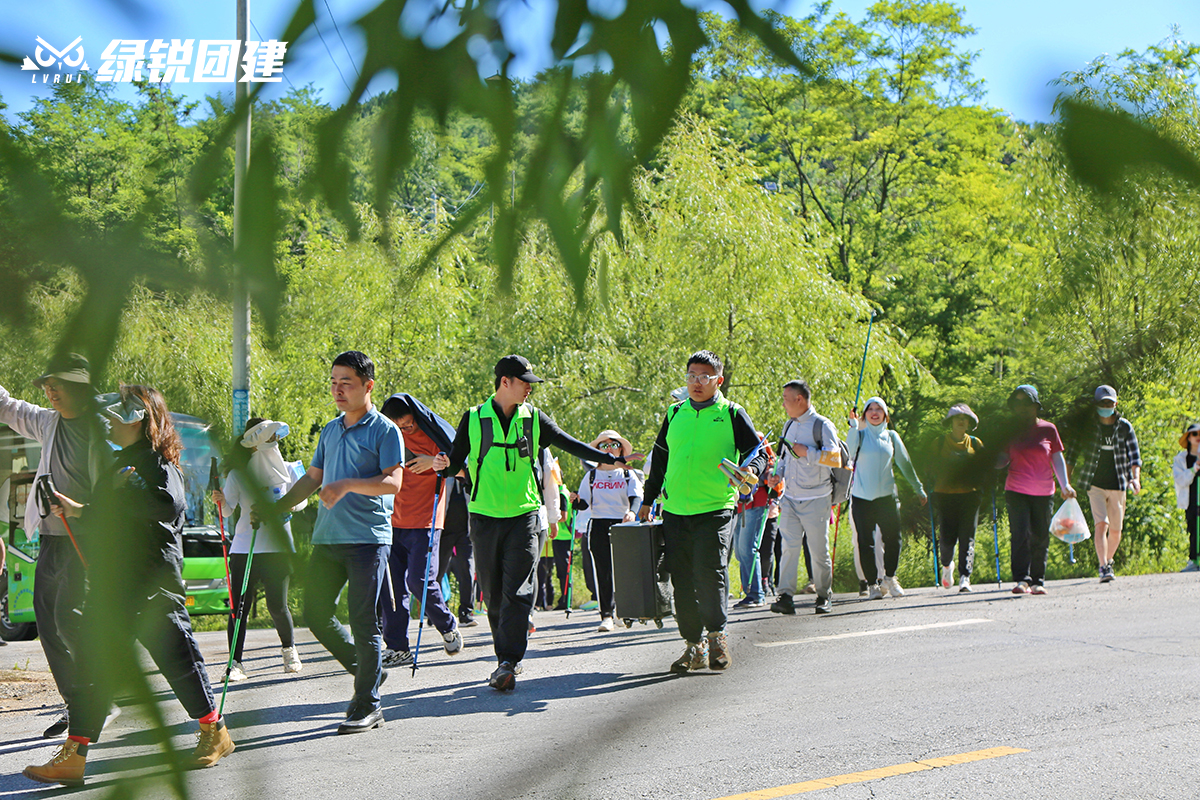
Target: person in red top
<point>1034,460</point>
<point>425,435</point>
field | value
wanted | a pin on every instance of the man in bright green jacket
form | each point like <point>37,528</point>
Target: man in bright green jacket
<point>698,503</point>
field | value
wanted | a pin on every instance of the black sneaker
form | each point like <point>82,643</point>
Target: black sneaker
<point>824,605</point>
<point>362,719</point>
<point>467,620</point>
<point>58,727</point>
<point>1106,573</point>
<point>397,658</point>
<point>504,678</point>
<point>784,605</point>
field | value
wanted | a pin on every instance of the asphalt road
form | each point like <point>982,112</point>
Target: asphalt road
<point>1099,685</point>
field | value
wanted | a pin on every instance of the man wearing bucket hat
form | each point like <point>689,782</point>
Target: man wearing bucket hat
<point>956,493</point>
<point>612,495</point>
<point>1035,460</point>
<point>73,455</point>
<point>499,442</point>
<point>1183,470</point>
<point>1111,464</point>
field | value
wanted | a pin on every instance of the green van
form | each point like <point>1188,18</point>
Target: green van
<point>203,560</point>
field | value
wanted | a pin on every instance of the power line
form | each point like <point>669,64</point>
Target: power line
<point>260,38</point>
<point>331,58</point>
<point>343,41</point>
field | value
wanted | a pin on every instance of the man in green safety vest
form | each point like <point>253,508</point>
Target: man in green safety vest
<point>698,501</point>
<point>499,442</point>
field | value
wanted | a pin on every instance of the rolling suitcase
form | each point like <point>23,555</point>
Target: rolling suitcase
<point>641,585</point>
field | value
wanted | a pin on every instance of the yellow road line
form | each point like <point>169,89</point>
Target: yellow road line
<point>875,774</point>
<point>879,632</point>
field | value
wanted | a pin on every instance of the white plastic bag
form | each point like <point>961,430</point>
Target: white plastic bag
<point>1069,524</point>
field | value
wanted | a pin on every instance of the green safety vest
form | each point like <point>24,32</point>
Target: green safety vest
<point>504,484</point>
<point>697,441</point>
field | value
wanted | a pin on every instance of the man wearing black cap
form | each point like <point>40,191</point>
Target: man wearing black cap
<point>1111,463</point>
<point>73,455</point>
<point>499,442</point>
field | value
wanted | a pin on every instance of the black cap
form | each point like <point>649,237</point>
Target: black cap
<point>516,367</point>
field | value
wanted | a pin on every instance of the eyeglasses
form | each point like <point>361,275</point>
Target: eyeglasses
<point>703,380</point>
<point>1193,433</point>
<point>610,446</point>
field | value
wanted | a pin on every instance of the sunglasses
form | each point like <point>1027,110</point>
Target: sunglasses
<point>610,446</point>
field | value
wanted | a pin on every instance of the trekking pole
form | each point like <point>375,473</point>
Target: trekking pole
<point>863,369</point>
<point>46,495</point>
<point>837,523</point>
<point>570,581</point>
<point>437,493</point>
<point>937,562</point>
<point>996,534</point>
<point>214,485</point>
<point>239,612</point>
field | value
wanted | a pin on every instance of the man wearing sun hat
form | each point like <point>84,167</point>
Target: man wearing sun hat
<point>73,455</point>
<point>499,443</point>
<point>1111,464</point>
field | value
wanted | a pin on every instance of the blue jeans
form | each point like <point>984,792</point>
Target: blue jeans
<point>331,568</point>
<point>410,551</point>
<point>747,535</point>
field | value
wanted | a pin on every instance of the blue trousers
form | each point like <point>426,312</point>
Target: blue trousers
<point>747,536</point>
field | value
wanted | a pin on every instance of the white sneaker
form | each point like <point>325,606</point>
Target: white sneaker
<point>291,659</point>
<point>883,589</point>
<point>606,625</point>
<point>874,592</point>
<point>453,642</point>
<point>947,577</point>
<point>236,673</point>
<point>893,587</point>
<point>964,584</point>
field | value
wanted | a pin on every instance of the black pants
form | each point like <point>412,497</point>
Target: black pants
<point>149,604</point>
<point>600,546</point>
<point>562,558</point>
<point>589,567</point>
<point>58,592</point>
<point>1029,531</point>
<point>958,515</point>
<point>883,512</point>
<point>506,552</point>
<point>697,548</point>
<point>273,571</point>
<point>462,569</point>
<point>1193,535</point>
<point>545,589</point>
<point>766,553</point>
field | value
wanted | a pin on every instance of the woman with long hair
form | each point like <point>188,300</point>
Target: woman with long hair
<point>135,588</point>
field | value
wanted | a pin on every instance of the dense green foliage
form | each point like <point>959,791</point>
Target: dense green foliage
<point>784,204</point>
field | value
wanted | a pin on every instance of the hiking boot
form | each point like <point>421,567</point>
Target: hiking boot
<point>214,745</point>
<point>57,728</point>
<point>467,620</point>
<point>606,625</point>
<point>66,767</point>
<point>504,677</point>
<point>362,719</point>
<point>809,588</point>
<point>784,605</point>
<point>453,642</point>
<point>236,673</point>
<point>947,577</point>
<point>397,658</point>
<point>694,657</point>
<point>874,592</point>
<point>1037,589</point>
<point>1192,566</point>
<point>824,605</point>
<point>561,605</point>
<point>718,651</point>
<point>893,586</point>
<point>964,584</point>
<point>1021,588</point>
<point>291,659</point>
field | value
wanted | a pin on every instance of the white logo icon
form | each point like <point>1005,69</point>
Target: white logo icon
<point>48,56</point>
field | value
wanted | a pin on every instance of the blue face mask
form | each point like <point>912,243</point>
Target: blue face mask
<point>1106,412</point>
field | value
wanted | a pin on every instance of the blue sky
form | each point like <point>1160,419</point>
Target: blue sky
<point>1022,44</point>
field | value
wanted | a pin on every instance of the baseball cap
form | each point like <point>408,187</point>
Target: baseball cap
<point>70,367</point>
<point>1105,392</point>
<point>516,367</point>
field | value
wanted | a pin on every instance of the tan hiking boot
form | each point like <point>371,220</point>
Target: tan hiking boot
<point>214,745</point>
<point>66,767</point>
<point>718,651</point>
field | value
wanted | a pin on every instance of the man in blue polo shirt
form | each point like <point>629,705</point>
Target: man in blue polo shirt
<point>357,467</point>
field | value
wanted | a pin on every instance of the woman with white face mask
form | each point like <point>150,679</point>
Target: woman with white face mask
<point>877,450</point>
<point>259,461</point>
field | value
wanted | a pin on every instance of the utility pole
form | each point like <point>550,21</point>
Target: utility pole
<point>241,297</point>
